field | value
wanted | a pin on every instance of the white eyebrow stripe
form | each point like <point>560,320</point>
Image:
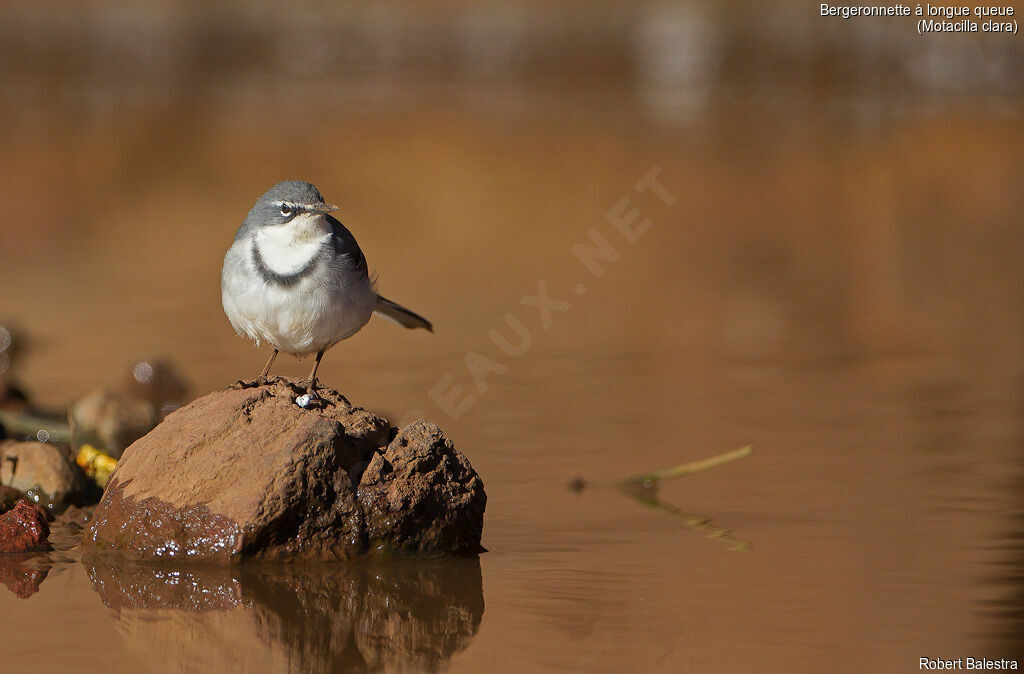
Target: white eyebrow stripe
<point>292,204</point>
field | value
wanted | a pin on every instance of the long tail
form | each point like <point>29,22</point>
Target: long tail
<point>399,314</point>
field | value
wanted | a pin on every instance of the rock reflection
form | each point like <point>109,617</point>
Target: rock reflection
<point>23,573</point>
<point>399,615</point>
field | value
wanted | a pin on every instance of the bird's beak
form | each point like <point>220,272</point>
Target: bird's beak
<point>325,208</point>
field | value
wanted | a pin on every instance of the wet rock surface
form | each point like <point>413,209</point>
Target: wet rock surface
<point>246,473</point>
<point>43,471</point>
<point>23,528</point>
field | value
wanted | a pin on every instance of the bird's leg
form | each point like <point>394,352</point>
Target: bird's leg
<point>311,382</point>
<point>262,379</point>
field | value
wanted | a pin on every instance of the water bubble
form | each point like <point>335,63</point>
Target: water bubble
<point>143,373</point>
<point>43,435</point>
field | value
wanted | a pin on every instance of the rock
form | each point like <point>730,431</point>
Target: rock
<point>76,516</point>
<point>66,530</point>
<point>8,497</point>
<point>246,473</point>
<point>23,528</point>
<point>111,421</point>
<point>43,471</point>
<point>421,495</point>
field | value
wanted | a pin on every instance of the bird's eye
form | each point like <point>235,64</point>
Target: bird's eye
<point>286,210</point>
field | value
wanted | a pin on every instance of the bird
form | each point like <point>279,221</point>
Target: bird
<point>295,278</point>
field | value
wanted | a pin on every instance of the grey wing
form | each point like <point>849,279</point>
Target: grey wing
<point>345,246</point>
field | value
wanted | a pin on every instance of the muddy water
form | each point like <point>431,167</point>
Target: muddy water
<point>838,285</point>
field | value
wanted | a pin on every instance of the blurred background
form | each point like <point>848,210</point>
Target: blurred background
<point>835,277</point>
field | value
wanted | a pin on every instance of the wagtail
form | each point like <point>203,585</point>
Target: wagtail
<point>295,278</point>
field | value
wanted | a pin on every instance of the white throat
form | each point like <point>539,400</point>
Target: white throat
<point>287,249</point>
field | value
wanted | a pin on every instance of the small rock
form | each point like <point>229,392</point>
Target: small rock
<point>76,516</point>
<point>42,471</point>
<point>304,400</point>
<point>421,495</point>
<point>111,421</point>
<point>245,473</point>
<point>8,497</point>
<point>23,528</point>
<point>66,530</point>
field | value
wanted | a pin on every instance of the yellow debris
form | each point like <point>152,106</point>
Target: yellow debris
<point>97,464</point>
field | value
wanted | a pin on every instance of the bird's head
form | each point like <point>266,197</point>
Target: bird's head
<point>287,201</point>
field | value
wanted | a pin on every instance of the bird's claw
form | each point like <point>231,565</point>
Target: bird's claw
<point>251,383</point>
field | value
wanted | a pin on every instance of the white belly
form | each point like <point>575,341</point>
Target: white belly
<point>301,319</point>
<point>309,316</point>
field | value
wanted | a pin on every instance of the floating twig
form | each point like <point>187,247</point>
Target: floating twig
<point>692,467</point>
<point>644,489</point>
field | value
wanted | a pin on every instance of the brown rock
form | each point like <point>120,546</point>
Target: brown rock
<point>421,495</point>
<point>111,421</point>
<point>246,473</point>
<point>23,528</point>
<point>8,497</point>
<point>42,471</point>
<point>66,530</point>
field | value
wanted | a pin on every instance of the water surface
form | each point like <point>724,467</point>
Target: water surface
<point>837,284</point>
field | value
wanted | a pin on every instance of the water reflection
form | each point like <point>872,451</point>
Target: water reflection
<point>23,573</point>
<point>410,614</point>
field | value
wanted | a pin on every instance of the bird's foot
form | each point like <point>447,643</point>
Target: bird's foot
<point>309,399</point>
<point>253,383</point>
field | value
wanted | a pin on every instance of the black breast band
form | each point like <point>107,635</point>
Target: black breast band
<point>286,280</point>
